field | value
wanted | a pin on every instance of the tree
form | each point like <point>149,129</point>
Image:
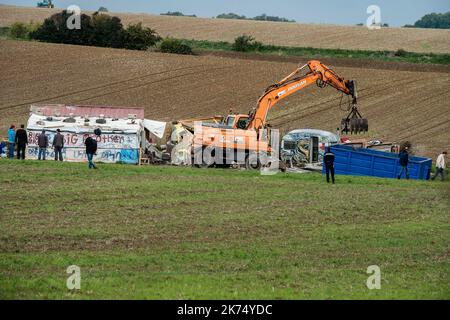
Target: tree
<point>231,16</point>
<point>171,45</point>
<point>102,9</point>
<point>262,17</point>
<point>246,43</point>
<point>137,37</point>
<point>107,31</point>
<point>99,30</point>
<point>54,29</point>
<point>18,30</point>
<point>178,14</point>
<point>265,17</point>
<point>433,20</point>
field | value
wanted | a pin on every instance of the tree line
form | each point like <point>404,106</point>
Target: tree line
<point>262,17</point>
<point>99,30</point>
<point>178,14</point>
<point>432,20</point>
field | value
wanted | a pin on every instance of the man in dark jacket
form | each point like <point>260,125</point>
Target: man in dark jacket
<point>91,149</point>
<point>21,141</point>
<point>328,160</point>
<point>58,145</point>
<point>404,160</point>
<point>43,145</point>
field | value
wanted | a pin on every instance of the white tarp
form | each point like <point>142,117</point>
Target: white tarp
<point>155,127</point>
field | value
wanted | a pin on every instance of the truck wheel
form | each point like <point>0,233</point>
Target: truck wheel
<point>200,161</point>
<point>252,162</point>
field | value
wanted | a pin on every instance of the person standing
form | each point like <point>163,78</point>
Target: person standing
<point>43,145</point>
<point>11,141</point>
<point>440,166</point>
<point>328,160</point>
<point>404,160</point>
<point>22,141</point>
<point>58,145</point>
<point>91,149</point>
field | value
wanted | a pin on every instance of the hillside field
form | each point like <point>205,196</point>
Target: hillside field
<point>282,34</point>
<point>183,233</point>
<point>166,232</point>
<point>401,101</point>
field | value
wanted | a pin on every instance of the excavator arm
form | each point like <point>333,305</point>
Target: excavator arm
<point>318,73</point>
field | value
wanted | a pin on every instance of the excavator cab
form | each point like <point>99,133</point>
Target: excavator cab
<point>354,123</point>
<point>237,121</point>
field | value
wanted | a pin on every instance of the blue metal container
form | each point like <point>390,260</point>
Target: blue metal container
<point>367,162</point>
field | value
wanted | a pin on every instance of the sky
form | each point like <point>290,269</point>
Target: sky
<point>343,12</point>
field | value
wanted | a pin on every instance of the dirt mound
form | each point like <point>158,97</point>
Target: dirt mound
<point>283,34</point>
<point>400,105</point>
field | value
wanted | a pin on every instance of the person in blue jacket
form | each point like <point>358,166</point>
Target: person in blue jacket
<point>404,160</point>
<point>11,141</point>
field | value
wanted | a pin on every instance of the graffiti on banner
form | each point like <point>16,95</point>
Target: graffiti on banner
<point>76,140</point>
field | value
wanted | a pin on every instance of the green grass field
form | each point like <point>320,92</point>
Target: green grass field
<point>184,233</point>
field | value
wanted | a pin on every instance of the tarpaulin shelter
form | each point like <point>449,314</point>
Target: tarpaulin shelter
<point>123,131</point>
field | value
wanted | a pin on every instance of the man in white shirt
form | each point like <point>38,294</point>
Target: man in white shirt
<point>440,166</point>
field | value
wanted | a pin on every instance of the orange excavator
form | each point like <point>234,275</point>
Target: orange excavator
<point>250,132</point>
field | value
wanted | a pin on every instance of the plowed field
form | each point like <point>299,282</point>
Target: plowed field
<point>283,34</point>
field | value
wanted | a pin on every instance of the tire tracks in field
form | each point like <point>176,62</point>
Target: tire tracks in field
<point>98,87</point>
<point>150,83</point>
<point>403,82</point>
<point>428,129</point>
<point>403,133</point>
<point>332,100</point>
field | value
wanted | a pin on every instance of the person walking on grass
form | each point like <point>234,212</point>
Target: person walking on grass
<point>91,150</point>
<point>11,141</point>
<point>43,145</point>
<point>440,166</point>
<point>58,145</point>
<point>22,141</point>
<point>404,160</point>
<point>328,160</point>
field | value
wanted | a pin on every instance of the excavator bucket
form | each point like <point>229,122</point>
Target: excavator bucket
<point>354,123</point>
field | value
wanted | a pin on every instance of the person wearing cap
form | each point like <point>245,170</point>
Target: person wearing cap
<point>22,141</point>
<point>11,141</point>
<point>43,145</point>
<point>404,160</point>
<point>440,166</point>
<point>58,145</point>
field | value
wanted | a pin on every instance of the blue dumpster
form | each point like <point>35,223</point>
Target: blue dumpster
<point>367,162</point>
